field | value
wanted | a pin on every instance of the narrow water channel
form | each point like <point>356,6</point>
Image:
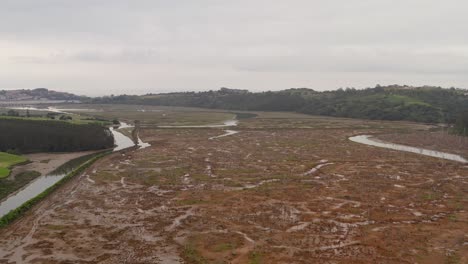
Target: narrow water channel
<point>40,184</point>
<point>228,132</point>
<point>369,140</point>
<point>121,141</point>
<point>227,123</point>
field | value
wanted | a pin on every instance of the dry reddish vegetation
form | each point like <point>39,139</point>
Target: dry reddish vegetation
<point>435,140</point>
<point>280,191</point>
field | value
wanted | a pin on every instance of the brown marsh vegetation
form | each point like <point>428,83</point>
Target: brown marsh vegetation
<point>287,188</point>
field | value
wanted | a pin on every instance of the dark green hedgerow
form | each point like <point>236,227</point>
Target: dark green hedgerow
<point>23,135</point>
<point>18,212</point>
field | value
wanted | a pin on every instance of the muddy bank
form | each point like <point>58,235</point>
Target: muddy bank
<point>268,196</point>
<point>54,167</point>
<point>441,141</point>
<point>40,187</point>
<point>127,135</point>
<point>45,163</point>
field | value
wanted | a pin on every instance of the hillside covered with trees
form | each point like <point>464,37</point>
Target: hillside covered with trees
<point>420,104</point>
<point>37,94</point>
<point>22,135</point>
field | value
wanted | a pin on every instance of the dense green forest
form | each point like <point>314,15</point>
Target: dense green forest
<point>23,135</point>
<point>421,104</point>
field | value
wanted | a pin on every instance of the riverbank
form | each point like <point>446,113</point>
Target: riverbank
<point>39,164</point>
<point>433,140</point>
<point>372,141</point>
<point>53,171</point>
<point>7,161</point>
<point>19,211</point>
<point>45,163</point>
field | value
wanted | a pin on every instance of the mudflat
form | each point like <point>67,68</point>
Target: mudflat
<point>45,163</point>
<point>282,189</point>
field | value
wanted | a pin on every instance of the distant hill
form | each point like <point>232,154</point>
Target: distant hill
<point>422,104</point>
<point>39,94</point>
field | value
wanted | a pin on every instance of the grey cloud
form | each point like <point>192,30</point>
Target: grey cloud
<point>362,59</point>
<point>257,43</point>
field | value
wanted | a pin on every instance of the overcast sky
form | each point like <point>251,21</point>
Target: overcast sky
<point>97,47</point>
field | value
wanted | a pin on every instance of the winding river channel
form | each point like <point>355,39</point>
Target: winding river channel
<point>40,184</point>
<point>227,123</point>
<point>371,141</point>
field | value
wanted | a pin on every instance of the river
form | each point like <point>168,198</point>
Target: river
<point>40,184</point>
<point>227,123</point>
<point>371,141</point>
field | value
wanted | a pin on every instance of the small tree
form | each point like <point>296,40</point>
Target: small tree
<point>12,113</point>
<point>51,115</point>
<point>461,125</point>
<point>65,117</point>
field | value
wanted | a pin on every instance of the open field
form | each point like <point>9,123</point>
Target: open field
<point>287,188</point>
<point>7,161</point>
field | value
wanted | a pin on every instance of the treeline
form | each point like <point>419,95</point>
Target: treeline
<point>222,99</point>
<point>19,135</point>
<point>420,104</point>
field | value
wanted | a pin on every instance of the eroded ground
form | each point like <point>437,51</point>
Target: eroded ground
<point>285,189</point>
<point>45,163</point>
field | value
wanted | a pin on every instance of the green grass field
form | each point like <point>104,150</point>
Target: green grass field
<point>7,161</point>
